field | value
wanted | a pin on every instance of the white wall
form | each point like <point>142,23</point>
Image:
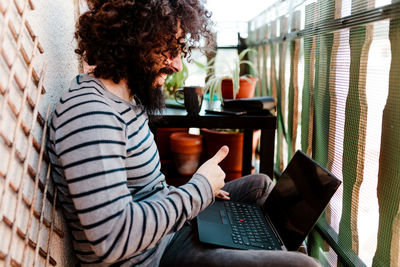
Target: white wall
<point>54,22</point>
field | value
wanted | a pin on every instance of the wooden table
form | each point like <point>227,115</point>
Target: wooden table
<point>178,118</point>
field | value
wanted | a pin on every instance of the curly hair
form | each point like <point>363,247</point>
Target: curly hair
<point>128,39</point>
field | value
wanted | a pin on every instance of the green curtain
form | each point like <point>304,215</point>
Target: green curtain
<point>387,253</point>
<point>321,99</point>
<point>354,136</point>
<point>280,96</point>
<point>293,94</point>
<point>307,111</point>
<point>336,142</point>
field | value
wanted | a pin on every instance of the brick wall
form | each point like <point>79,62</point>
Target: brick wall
<point>37,63</point>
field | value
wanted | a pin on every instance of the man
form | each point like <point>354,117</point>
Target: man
<point>118,206</point>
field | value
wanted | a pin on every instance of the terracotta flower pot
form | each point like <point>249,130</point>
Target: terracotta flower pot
<point>214,140</point>
<point>187,150</point>
<point>246,88</point>
<point>232,164</point>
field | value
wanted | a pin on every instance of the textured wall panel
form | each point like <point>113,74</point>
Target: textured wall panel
<point>36,64</point>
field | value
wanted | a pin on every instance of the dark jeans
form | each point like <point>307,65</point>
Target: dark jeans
<point>185,248</point>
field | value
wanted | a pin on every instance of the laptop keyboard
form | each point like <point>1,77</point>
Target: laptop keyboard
<point>249,227</point>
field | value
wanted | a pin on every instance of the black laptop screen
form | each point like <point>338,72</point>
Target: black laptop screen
<point>299,198</point>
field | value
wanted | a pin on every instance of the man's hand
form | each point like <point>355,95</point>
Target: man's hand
<point>223,195</point>
<point>213,172</point>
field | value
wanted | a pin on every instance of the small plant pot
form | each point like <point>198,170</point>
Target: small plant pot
<point>246,88</point>
<point>187,150</point>
<point>233,163</point>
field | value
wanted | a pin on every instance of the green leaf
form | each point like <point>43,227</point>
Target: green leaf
<point>251,64</point>
<point>200,65</point>
<point>244,52</point>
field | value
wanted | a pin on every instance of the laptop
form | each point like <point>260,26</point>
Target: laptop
<point>285,219</point>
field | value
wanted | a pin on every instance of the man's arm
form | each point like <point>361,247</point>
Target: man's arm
<point>90,145</point>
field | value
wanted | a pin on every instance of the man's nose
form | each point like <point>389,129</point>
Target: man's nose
<point>176,63</point>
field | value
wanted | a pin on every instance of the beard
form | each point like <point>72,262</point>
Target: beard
<point>146,94</point>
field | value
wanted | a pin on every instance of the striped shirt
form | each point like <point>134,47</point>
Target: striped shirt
<point>106,166</point>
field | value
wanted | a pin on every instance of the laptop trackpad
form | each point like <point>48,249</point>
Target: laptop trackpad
<point>214,216</point>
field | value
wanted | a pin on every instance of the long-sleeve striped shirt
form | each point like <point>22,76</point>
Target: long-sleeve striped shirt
<point>107,169</point>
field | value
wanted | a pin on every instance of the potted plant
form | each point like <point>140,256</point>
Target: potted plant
<point>233,138</point>
<point>229,85</point>
<point>186,150</point>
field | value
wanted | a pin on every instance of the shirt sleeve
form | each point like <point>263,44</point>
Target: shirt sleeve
<point>89,143</point>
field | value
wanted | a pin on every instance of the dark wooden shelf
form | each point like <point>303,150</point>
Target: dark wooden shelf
<point>178,118</point>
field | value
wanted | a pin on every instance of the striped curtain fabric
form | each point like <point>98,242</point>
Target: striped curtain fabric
<point>334,70</point>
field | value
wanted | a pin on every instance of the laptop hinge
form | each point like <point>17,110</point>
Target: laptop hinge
<point>274,230</point>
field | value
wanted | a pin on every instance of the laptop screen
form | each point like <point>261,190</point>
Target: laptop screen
<point>298,199</point>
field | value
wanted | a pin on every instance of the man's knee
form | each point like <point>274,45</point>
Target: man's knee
<point>266,180</point>
<point>263,184</point>
<point>259,180</point>
<point>297,259</point>
<point>284,259</point>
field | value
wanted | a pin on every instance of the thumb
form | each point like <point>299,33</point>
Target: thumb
<point>220,155</point>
